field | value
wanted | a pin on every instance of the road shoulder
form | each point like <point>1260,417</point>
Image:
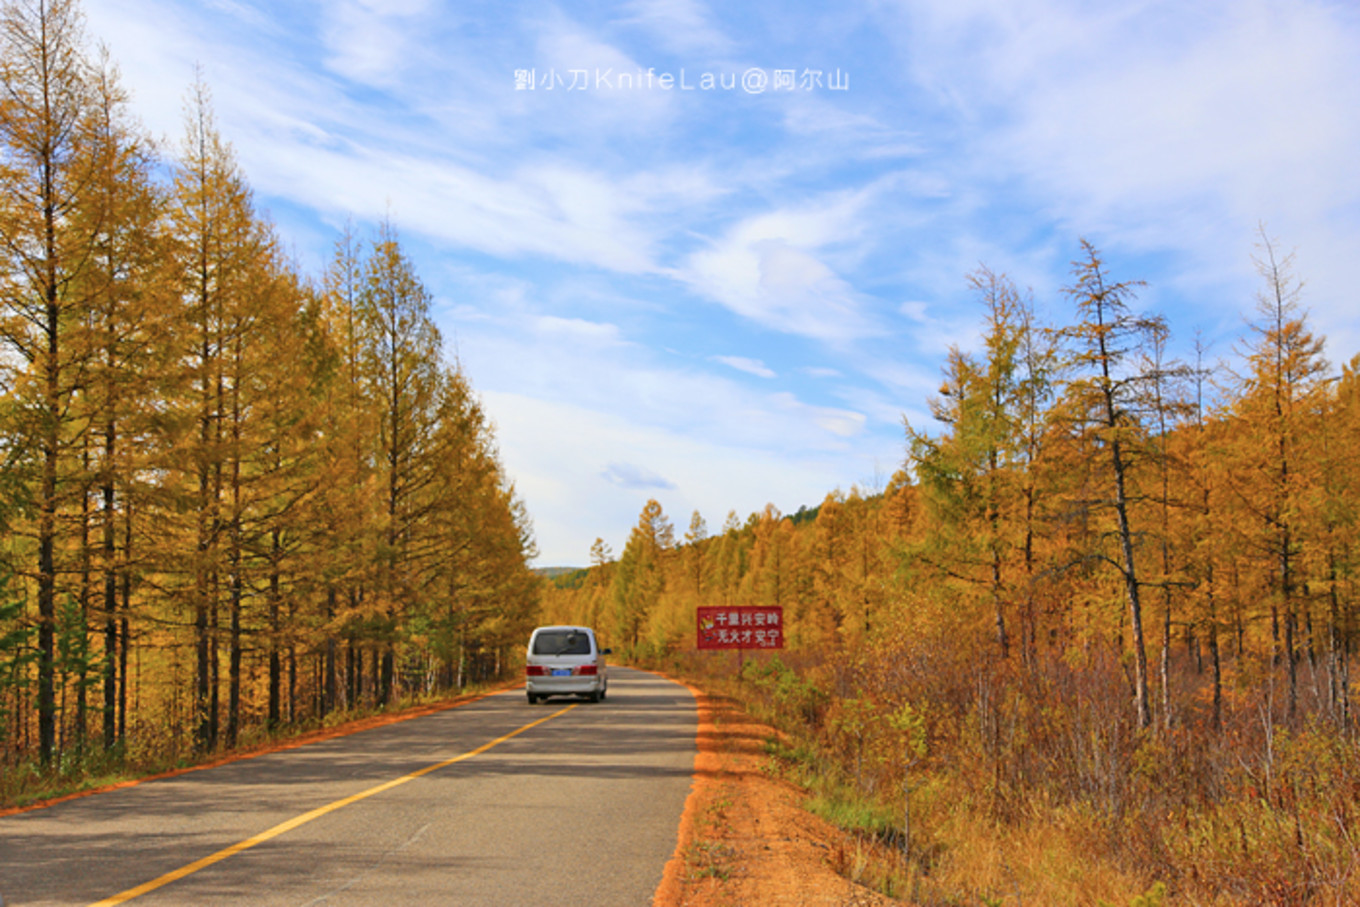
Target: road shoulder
<point>291,741</point>
<point>744,839</point>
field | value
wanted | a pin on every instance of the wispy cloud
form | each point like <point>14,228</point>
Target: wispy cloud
<point>773,269</point>
<point>590,251</point>
<point>630,476</point>
<point>578,331</point>
<point>681,26</point>
<point>545,446</point>
<point>1162,128</point>
<point>841,423</point>
<point>369,42</point>
<point>750,366</point>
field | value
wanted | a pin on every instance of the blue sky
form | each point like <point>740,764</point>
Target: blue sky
<point>722,296</point>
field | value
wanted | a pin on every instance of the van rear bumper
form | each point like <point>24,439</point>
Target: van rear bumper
<point>563,686</point>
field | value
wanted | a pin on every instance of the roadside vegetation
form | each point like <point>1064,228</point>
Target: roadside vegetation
<point>30,784</point>
<point>1090,645</point>
<point>236,500</point>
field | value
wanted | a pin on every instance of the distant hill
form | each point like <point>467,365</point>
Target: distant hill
<point>551,572</point>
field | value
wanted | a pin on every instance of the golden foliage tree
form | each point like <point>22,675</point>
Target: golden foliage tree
<point>254,500</point>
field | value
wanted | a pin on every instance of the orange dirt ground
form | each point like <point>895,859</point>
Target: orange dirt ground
<point>743,839</point>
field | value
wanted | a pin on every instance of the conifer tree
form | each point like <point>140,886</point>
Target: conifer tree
<point>401,369</point>
<point>49,175</point>
<point>1274,465</point>
<point>1105,400</point>
<point>218,243</point>
<point>126,281</point>
<point>978,477</point>
<point>348,504</point>
<point>639,577</point>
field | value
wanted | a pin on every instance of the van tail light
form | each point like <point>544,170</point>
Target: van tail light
<point>535,670</point>
<point>587,669</point>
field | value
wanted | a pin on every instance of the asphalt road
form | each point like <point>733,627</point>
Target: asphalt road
<point>582,808</point>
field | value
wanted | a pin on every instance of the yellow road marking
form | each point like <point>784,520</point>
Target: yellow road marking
<point>282,827</point>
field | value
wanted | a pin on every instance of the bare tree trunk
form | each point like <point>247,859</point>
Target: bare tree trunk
<point>1217,667</point>
<point>328,680</point>
<point>1132,592</point>
<point>110,596</point>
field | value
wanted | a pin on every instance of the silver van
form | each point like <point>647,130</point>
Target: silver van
<point>565,661</point>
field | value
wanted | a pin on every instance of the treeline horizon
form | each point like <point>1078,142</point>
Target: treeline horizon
<point>235,497</point>
<point>1097,597</point>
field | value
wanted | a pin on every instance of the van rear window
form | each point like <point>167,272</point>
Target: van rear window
<point>561,642</point>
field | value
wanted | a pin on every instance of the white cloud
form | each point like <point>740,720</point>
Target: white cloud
<point>682,26</point>
<point>771,269</point>
<point>375,42</point>
<point>581,363</point>
<point>567,461</point>
<point>853,132</point>
<point>619,96</point>
<point>750,366</point>
<point>244,13</point>
<point>1162,127</point>
<point>634,477</point>
<point>915,310</point>
<point>554,211</point>
<point>1258,112</point>
<point>578,331</point>
<point>839,422</point>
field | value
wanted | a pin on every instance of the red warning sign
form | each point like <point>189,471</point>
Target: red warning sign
<point>741,628</point>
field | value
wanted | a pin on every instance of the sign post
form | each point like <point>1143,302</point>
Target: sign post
<point>740,628</point>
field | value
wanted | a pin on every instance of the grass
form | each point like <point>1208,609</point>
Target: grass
<point>871,856</point>
<point>706,857</point>
<point>28,782</point>
<point>959,854</point>
<point>710,860</point>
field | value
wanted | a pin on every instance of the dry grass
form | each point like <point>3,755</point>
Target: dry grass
<point>1041,791</point>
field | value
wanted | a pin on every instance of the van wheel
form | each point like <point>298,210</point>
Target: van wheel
<point>595,696</point>
<point>532,698</point>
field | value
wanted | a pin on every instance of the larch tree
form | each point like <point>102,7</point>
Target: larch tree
<point>1202,453</point>
<point>975,476</point>
<point>766,582</point>
<point>466,567</point>
<point>401,364</point>
<point>1273,460</point>
<point>271,421</point>
<point>696,566</point>
<point>126,283</point>
<point>830,551</point>
<point>639,577</point>
<point>349,504</point>
<point>1106,398</point>
<point>1166,411</point>
<point>479,596</point>
<point>1033,399</point>
<point>1336,505</point>
<point>217,241</point>
<point>730,561</point>
<point>49,177</point>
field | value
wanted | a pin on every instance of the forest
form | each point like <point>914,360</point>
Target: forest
<point>1091,643</point>
<point>235,498</point>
